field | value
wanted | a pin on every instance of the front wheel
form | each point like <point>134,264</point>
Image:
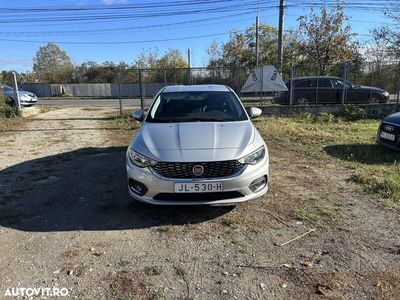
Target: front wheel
<point>302,101</point>
<point>374,99</point>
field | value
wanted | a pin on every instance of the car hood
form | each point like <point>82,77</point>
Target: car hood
<point>393,118</point>
<point>197,135</point>
<point>365,87</point>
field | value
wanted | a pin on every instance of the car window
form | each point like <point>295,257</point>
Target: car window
<point>305,83</point>
<point>338,83</point>
<point>324,82</point>
<point>196,107</point>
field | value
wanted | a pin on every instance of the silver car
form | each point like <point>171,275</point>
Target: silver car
<point>197,145</point>
<point>26,98</point>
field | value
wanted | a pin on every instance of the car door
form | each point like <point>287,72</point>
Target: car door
<point>339,87</point>
<point>304,91</point>
<point>355,94</point>
<point>325,91</point>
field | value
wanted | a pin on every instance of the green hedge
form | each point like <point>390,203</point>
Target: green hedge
<point>6,109</point>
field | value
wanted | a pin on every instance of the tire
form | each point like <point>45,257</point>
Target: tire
<point>302,101</point>
<point>374,100</point>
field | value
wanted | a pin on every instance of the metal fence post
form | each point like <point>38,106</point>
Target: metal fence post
<point>141,85</point>
<point>317,91</point>
<point>372,81</point>
<point>344,85</point>
<point>398,89</point>
<point>16,94</point>
<point>291,91</point>
<point>119,90</point>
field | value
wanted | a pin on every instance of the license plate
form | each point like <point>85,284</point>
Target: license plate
<point>192,187</point>
<point>387,136</point>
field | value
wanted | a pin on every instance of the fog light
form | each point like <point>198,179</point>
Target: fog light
<point>258,184</point>
<point>137,187</point>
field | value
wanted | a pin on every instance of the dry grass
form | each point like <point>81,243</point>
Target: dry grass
<point>7,124</point>
<point>125,125</point>
<point>352,143</point>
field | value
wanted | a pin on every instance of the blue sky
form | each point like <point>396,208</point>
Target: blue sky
<point>18,55</point>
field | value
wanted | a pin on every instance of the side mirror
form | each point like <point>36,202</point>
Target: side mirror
<point>138,115</point>
<point>254,112</point>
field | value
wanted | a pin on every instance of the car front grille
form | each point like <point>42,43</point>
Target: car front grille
<point>395,130</point>
<point>214,169</point>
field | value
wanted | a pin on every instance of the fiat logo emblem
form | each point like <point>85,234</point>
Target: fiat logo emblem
<point>198,170</point>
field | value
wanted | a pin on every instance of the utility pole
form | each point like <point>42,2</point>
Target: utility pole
<point>189,72</point>
<point>141,86</point>
<point>280,35</point>
<point>257,42</point>
<point>16,94</point>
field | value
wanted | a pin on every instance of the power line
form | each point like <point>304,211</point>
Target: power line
<point>120,42</point>
<point>168,12</point>
<point>120,29</point>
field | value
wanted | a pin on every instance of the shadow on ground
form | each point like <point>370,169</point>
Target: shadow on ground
<point>83,190</point>
<point>363,153</point>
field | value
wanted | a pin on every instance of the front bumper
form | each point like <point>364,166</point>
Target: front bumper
<point>386,144</point>
<point>29,101</point>
<point>394,145</point>
<point>235,185</point>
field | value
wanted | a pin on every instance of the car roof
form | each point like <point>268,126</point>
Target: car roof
<point>196,88</point>
<point>315,77</point>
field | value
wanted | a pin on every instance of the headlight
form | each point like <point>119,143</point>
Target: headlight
<point>386,94</point>
<point>140,160</point>
<point>24,96</point>
<point>254,157</point>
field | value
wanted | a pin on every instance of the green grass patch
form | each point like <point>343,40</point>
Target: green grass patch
<point>306,216</point>
<point>8,116</point>
<point>180,272</point>
<point>152,270</point>
<point>352,142</point>
<point>125,126</point>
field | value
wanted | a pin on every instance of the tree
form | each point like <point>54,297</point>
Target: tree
<point>53,65</point>
<point>173,58</point>
<point>6,77</point>
<point>214,55</point>
<point>147,59</point>
<point>163,68</point>
<point>327,39</point>
<point>389,36</point>
<point>239,51</point>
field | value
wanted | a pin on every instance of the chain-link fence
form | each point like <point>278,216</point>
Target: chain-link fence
<point>344,83</point>
<point>308,84</point>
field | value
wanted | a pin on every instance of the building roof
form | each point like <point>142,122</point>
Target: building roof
<point>196,88</point>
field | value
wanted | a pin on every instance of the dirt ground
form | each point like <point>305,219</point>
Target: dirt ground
<point>66,220</point>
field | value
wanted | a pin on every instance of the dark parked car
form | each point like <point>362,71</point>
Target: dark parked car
<point>389,131</point>
<point>327,89</point>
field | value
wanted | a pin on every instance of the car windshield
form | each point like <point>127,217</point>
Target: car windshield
<point>9,88</point>
<point>196,107</point>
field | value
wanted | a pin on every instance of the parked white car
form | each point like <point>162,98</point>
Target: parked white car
<point>197,145</point>
<point>26,98</point>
